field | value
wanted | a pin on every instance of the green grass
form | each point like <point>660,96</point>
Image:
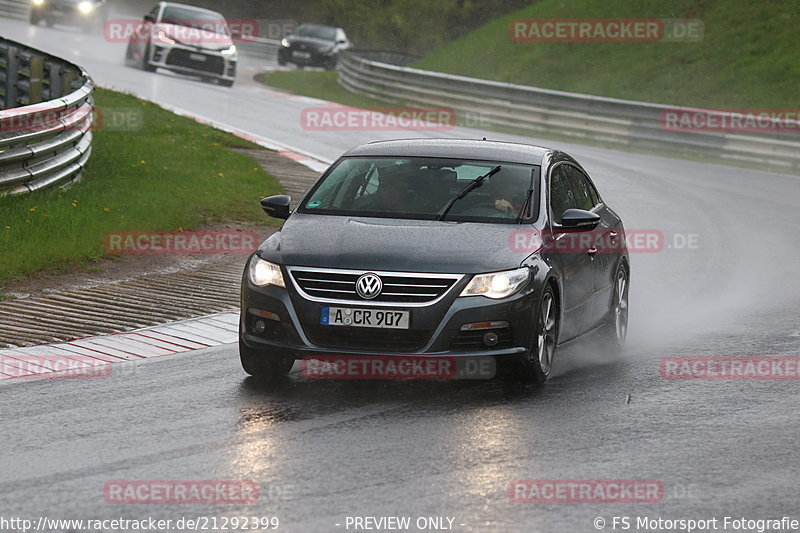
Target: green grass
<point>169,173</point>
<point>747,58</point>
<point>317,84</point>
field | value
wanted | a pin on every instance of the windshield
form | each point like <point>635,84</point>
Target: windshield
<point>421,188</point>
<point>194,18</point>
<point>317,32</point>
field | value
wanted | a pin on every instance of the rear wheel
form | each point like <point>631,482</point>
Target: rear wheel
<point>262,365</point>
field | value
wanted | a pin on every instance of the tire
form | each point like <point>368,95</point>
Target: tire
<point>263,366</point>
<point>129,59</point>
<point>226,83</point>
<point>329,63</point>
<point>146,66</point>
<point>36,18</point>
<point>616,329</point>
<point>537,366</point>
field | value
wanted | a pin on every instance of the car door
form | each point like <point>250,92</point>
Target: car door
<point>606,241</point>
<point>572,255</point>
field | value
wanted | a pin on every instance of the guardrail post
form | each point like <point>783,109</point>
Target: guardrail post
<point>56,86</point>
<point>12,76</point>
<point>36,86</point>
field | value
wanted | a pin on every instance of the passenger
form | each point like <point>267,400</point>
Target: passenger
<point>393,190</point>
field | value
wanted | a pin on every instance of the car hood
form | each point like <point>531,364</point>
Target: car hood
<point>310,44</point>
<point>365,243</point>
<point>196,37</point>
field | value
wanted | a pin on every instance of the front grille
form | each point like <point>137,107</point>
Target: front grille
<point>383,340</point>
<point>398,288</point>
<point>183,58</point>
<point>473,340</point>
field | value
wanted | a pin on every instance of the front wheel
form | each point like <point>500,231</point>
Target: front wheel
<point>536,368</point>
<point>617,325</point>
<point>145,64</point>
<point>36,18</point>
<point>264,366</point>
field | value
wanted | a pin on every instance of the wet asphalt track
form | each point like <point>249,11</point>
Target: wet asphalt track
<point>322,451</point>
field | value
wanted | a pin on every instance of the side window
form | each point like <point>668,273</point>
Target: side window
<point>154,12</point>
<point>561,197</point>
<point>585,195</point>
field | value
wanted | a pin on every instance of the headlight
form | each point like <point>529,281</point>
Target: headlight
<point>38,2</point>
<point>86,7</point>
<point>497,284</point>
<point>230,51</point>
<point>162,36</point>
<point>263,273</point>
<point>285,43</point>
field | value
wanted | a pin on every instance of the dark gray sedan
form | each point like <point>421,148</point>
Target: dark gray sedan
<point>438,248</point>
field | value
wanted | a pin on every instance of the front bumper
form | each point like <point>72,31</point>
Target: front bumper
<point>294,329</point>
<point>299,57</point>
<point>189,60</point>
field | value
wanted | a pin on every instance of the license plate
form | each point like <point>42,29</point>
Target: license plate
<point>365,318</point>
<point>302,55</point>
<point>197,57</point>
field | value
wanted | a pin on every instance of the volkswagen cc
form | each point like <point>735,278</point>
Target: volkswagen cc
<point>438,248</point>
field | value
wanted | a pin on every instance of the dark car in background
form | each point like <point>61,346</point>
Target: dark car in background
<point>313,45</point>
<point>185,39</point>
<point>90,15</point>
<point>425,247</point>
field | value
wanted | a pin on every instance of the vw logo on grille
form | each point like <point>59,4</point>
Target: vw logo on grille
<point>369,286</point>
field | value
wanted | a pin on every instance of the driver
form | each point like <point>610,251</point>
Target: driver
<point>505,194</point>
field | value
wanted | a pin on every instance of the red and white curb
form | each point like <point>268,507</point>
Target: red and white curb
<point>145,343</point>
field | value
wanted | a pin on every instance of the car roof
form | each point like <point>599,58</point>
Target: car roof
<point>454,148</point>
<point>306,24</point>
<point>197,8</point>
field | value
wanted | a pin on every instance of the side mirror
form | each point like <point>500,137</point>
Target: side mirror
<point>341,41</point>
<point>277,206</point>
<point>579,219</point>
<point>149,18</point>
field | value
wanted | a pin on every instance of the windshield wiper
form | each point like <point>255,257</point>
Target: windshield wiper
<point>474,184</point>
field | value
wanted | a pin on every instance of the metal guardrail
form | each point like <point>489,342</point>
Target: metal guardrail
<point>580,116</point>
<point>16,9</point>
<point>46,120</point>
<point>258,46</point>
